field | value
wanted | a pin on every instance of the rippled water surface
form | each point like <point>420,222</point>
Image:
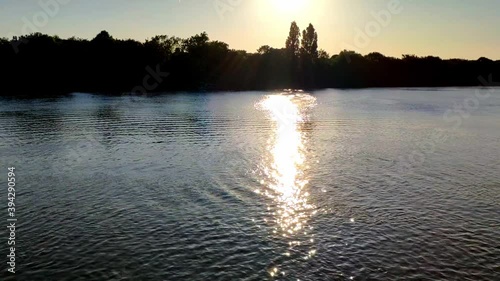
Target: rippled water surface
<point>381,184</point>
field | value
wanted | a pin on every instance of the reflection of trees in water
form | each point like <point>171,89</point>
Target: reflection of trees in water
<point>194,121</point>
<point>32,125</point>
<point>107,112</point>
<point>109,122</point>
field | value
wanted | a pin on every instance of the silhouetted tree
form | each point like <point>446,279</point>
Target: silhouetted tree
<point>310,42</point>
<point>375,57</point>
<point>322,54</point>
<point>195,43</point>
<point>103,36</point>
<point>264,49</point>
<point>163,46</point>
<point>37,64</point>
<point>293,41</point>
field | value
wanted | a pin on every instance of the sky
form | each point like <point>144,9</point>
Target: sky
<point>446,28</point>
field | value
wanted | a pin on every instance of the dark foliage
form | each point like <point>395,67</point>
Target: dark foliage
<point>38,64</point>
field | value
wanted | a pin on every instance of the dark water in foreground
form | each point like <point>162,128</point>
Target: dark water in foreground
<point>332,185</point>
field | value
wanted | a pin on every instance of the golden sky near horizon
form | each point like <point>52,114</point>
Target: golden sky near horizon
<point>446,28</point>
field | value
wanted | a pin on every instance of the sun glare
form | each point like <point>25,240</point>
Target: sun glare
<point>289,6</point>
<point>285,167</point>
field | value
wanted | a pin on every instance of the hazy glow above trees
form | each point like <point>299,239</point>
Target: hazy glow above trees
<point>249,24</point>
<point>289,6</point>
<point>281,11</point>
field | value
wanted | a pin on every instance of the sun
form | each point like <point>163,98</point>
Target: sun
<point>289,7</point>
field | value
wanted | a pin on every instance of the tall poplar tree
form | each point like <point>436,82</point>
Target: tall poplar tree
<point>293,40</point>
<point>310,42</point>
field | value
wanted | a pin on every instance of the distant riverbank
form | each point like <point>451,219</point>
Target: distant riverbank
<point>39,64</point>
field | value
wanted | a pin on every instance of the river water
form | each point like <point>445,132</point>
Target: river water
<point>375,184</point>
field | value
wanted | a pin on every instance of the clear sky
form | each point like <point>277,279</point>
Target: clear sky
<point>446,28</point>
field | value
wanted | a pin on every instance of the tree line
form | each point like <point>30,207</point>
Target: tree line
<point>38,64</point>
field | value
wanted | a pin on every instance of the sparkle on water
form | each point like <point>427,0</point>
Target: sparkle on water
<point>284,169</point>
<point>285,166</point>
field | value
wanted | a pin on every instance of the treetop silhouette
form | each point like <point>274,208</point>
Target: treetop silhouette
<point>37,64</point>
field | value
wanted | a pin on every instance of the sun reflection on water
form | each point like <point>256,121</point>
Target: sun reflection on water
<point>285,167</point>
